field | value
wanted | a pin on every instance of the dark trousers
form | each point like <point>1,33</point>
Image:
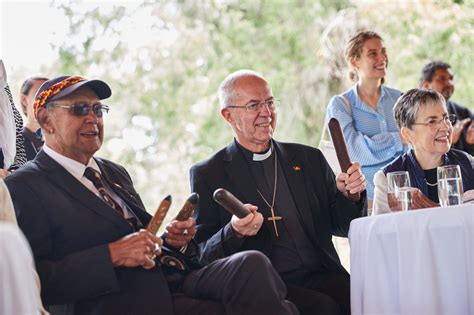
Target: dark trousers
<point>244,283</point>
<point>319,292</point>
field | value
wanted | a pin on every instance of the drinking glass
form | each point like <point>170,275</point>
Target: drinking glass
<point>399,191</point>
<point>449,185</point>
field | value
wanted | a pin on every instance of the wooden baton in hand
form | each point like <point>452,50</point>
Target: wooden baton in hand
<point>341,151</point>
<point>159,216</point>
<point>188,207</point>
<point>230,203</point>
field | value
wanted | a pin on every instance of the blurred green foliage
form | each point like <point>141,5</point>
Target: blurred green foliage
<point>165,114</point>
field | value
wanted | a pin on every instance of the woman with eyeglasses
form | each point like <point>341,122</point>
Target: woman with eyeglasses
<point>365,110</point>
<point>425,124</point>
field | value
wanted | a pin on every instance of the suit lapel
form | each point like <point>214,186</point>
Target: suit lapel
<point>127,196</point>
<point>294,171</point>
<point>62,179</point>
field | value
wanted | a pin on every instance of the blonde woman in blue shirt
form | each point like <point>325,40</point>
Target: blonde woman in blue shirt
<point>365,110</point>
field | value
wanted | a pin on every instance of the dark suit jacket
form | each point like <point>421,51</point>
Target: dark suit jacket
<point>461,113</point>
<point>322,210</point>
<point>69,227</point>
<point>31,143</point>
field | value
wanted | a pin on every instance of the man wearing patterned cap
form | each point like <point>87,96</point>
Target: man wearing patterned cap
<point>84,221</point>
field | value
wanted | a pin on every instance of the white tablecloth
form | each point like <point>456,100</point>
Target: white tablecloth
<point>415,262</point>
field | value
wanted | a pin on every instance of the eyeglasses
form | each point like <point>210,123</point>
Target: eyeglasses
<point>83,109</point>
<point>434,123</point>
<point>256,106</point>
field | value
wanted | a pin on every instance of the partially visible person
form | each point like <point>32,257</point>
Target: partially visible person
<point>32,142</point>
<point>439,76</point>
<point>427,126</point>
<point>12,151</point>
<point>19,290</point>
<point>85,224</point>
<point>365,110</point>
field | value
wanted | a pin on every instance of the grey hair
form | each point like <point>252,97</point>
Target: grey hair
<point>409,103</point>
<point>225,92</point>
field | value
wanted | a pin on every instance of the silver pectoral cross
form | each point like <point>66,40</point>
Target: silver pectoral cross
<point>274,218</point>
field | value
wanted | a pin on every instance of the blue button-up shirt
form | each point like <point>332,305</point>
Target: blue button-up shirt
<point>372,136</point>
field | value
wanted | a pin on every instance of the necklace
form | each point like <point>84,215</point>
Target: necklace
<point>273,217</point>
<point>430,184</point>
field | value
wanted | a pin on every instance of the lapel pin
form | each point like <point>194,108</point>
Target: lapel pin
<point>296,168</point>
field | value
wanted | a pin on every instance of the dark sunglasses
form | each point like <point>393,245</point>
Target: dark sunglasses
<point>83,109</point>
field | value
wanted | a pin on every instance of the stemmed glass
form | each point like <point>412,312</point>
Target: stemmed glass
<point>449,185</point>
<point>399,191</point>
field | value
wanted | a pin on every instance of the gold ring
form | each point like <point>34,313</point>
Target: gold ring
<point>157,249</point>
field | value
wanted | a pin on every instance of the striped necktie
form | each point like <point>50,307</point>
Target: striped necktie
<point>96,179</point>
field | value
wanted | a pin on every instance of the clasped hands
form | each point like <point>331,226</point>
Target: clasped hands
<point>352,181</point>
<point>140,248</point>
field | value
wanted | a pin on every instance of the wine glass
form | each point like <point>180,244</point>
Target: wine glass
<point>449,185</point>
<point>399,191</point>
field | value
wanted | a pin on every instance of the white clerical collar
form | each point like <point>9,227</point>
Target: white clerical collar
<point>74,167</point>
<point>262,156</point>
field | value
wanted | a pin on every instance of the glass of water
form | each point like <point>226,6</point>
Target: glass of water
<point>399,191</point>
<point>449,185</point>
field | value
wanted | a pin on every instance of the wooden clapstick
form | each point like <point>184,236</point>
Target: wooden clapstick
<point>159,216</point>
<point>230,203</point>
<point>188,207</point>
<point>341,151</point>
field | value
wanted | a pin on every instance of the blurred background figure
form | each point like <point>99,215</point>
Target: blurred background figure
<point>32,142</point>
<point>439,76</point>
<point>19,290</point>
<point>365,110</point>
<point>427,126</point>
<point>12,152</point>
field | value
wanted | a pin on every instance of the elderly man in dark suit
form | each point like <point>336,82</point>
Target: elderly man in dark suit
<point>300,202</point>
<point>84,221</point>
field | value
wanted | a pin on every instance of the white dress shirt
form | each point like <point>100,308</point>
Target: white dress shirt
<point>77,169</point>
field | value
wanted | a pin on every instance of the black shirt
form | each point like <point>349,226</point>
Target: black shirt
<point>292,250</point>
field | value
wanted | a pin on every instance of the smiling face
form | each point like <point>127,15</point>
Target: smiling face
<point>373,60</point>
<point>443,82</point>
<point>76,137</point>
<point>253,129</point>
<point>430,143</point>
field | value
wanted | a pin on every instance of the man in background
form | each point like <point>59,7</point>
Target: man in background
<point>439,76</point>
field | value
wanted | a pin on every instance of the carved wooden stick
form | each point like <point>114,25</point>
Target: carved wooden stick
<point>188,207</point>
<point>159,216</point>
